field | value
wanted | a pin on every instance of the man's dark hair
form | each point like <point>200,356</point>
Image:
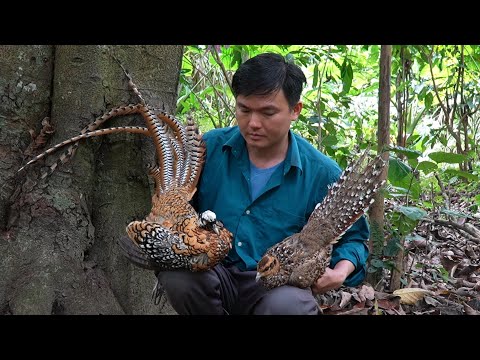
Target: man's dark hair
<point>267,73</point>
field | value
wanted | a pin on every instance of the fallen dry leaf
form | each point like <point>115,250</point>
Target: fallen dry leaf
<point>366,292</point>
<point>432,301</point>
<point>388,304</point>
<point>355,311</point>
<point>345,299</point>
<point>469,310</point>
<point>410,296</point>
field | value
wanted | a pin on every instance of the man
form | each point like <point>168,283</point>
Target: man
<point>263,181</point>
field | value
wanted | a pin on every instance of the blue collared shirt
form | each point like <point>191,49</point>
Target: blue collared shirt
<point>283,206</point>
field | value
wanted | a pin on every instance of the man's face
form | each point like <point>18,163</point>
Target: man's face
<point>264,120</point>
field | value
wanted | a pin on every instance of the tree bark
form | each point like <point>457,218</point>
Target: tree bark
<point>58,251</point>
<point>376,211</point>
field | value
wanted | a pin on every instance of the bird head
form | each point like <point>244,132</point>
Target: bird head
<point>267,266</point>
<point>208,219</point>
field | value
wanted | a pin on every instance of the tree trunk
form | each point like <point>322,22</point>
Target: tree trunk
<point>58,251</point>
<point>376,211</point>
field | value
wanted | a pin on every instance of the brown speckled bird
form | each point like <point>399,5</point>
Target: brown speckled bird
<point>173,235</point>
<point>301,258</point>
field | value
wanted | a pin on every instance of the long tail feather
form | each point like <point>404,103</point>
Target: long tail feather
<point>197,153</point>
<point>117,111</point>
<point>347,199</point>
<point>178,142</point>
<point>113,130</point>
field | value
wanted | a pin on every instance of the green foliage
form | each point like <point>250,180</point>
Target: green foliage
<point>427,167</point>
<point>340,114</point>
<point>412,213</point>
<point>401,176</point>
<point>477,203</point>
<point>409,153</point>
<point>446,157</point>
<point>463,174</point>
<point>341,102</point>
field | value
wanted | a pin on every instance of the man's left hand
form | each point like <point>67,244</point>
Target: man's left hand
<point>333,278</point>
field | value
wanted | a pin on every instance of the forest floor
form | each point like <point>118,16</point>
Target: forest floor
<point>441,271</point>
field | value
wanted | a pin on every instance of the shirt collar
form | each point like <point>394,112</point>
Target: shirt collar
<point>237,145</point>
<point>293,154</point>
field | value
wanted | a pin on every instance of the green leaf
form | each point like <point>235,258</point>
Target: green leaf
<point>428,100</point>
<point>454,213</point>
<point>333,114</point>
<point>462,173</point>
<point>449,158</point>
<point>395,191</point>
<point>443,140</point>
<point>413,163</point>
<point>330,140</point>
<point>427,205</point>
<point>422,92</point>
<point>376,263</point>
<point>392,247</point>
<point>412,212</point>
<point>329,126</point>
<point>397,170</point>
<point>427,166</point>
<point>477,199</point>
<point>453,180</point>
<point>346,73</point>
<point>315,76</point>
<point>400,176</point>
<point>413,237</point>
<point>409,153</point>
<point>413,139</point>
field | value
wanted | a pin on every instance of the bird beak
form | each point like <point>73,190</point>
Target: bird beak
<point>258,277</point>
<point>215,228</point>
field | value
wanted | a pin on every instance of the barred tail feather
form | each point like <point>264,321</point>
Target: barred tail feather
<point>178,140</point>
<point>349,198</point>
<point>114,112</point>
<point>196,158</point>
<point>75,139</point>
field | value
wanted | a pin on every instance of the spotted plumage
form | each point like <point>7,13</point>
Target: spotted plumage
<point>301,258</point>
<point>173,235</point>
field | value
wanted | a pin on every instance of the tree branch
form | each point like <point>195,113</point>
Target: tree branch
<point>442,105</point>
<point>471,232</point>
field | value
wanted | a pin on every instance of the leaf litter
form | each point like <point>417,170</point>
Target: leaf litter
<point>441,271</point>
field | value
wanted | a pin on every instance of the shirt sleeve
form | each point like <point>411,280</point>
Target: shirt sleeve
<point>353,247</point>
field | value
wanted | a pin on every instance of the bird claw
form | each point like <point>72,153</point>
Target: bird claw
<point>157,292</point>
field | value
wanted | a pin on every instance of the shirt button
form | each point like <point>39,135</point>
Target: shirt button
<point>247,212</point>
<point>239,243</point>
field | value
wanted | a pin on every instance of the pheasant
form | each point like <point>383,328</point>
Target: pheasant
<point>300,259</point>
<point>173,235</point>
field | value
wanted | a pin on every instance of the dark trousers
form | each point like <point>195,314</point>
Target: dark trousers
<point>227,290</point>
